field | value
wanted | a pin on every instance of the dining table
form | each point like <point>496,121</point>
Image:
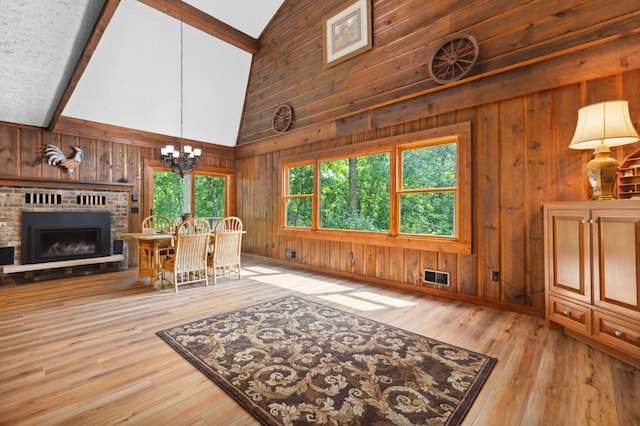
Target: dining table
<point>149,246</point>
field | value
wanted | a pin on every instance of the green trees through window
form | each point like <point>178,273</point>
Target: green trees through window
<point>355,193</point>
<point>168,194</point>
<point>172,195</point>
<point>299,196</point>
<point>428,190</point>
<point>209,196</point>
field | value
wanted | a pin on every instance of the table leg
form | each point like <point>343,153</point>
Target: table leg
<point>147,261</point>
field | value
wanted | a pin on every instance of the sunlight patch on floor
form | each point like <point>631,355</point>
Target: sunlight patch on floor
<point>260,270</point>
<point>305,286</point>
<point>391,301</point>
<point>351,302</point>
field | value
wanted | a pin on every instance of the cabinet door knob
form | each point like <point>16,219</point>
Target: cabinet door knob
<point>617,333</point>
<point>584,221</point>
<point>565,312</point>
<point>591,221</point>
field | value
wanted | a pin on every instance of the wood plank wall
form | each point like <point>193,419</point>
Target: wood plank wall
<point>110,154</point>
<point>289,67</point>
<point>521,159</point>
<point>540,61</point>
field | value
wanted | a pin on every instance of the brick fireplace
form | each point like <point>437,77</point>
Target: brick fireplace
<point>67,223</point>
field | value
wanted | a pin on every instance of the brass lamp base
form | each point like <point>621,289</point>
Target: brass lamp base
<point>602,171</point>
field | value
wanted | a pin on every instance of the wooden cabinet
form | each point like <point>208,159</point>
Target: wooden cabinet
<point>592,273</point>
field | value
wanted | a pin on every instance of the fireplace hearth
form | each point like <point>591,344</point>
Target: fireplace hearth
<point>55,236</point>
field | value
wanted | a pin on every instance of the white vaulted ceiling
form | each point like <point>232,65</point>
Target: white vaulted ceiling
<point>39,46</point>
<point>133,78</point>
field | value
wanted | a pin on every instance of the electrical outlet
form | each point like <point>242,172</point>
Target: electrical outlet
<point>495,276</point>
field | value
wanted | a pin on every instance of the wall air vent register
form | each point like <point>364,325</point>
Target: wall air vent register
<point>431,276</point>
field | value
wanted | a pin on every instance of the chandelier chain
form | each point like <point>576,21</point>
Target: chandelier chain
<point>181,77</point>
<point>186,159</point>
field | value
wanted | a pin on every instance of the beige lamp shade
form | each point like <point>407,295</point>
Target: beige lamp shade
<point>605,123</point>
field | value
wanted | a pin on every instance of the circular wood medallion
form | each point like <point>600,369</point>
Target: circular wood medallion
<point>282,118</point>
<point>454,58</point>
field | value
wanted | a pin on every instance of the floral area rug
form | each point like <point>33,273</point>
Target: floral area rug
<point>291,361</point>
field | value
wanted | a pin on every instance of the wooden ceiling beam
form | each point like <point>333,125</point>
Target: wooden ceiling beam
<point>203,22</point>
<point>108,10</point>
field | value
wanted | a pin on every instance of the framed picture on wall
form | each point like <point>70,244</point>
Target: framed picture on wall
<point>347,33</point>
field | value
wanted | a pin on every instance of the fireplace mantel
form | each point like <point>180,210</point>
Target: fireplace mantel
<point>32,182</point>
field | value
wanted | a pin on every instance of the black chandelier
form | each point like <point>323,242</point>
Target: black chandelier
<point>184,161</point>
<point>180,162</point>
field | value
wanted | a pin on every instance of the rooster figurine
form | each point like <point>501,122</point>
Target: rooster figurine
<point>56,157</point>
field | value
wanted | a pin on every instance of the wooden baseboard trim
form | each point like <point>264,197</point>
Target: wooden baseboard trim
<point>426,290</point>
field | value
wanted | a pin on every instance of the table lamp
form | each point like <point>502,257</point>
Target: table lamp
<point>599,127</point>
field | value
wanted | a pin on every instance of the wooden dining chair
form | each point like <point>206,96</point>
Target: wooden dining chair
<point>151,255</point>
<point>227,244</point>
<point>175,222</point>
<point>189,262</point>
<point>156,223</point>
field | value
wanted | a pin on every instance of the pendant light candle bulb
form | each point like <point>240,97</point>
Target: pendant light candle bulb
<point>180,162</point>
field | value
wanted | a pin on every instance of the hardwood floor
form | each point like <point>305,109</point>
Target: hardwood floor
<point>83,350</point>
